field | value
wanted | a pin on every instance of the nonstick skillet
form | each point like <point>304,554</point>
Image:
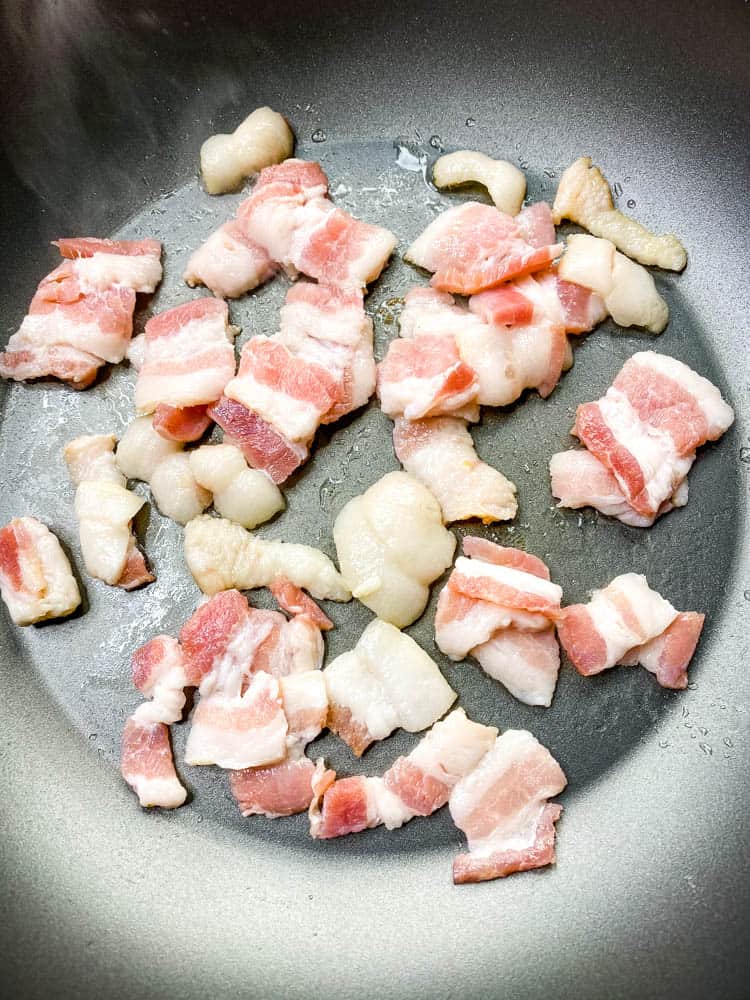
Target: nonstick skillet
<point>105,106</point>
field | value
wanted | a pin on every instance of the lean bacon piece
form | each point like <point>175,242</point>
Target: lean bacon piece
<point>36,581</point>
<point>108,543</point>
<point>440,452</point>
<point>391,544</point>
<point>147,765</point>
<point>629,623</point>
<point>222,555</point>
<point>646,428</point>
<point>416,785</point>
<point>229,263</point>
<point>387,681</point>
<point>473,246</point>
<point>188,357</point>
<point>82,313</point>
<point>499,606</point>
<point>502,806</point>
<point>425,377</point>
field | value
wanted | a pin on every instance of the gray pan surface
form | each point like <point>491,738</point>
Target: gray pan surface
<point>105,107</point>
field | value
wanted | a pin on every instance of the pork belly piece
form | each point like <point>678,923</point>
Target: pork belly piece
<point>188,358</point>
<point>147,764</point>
<point>473,246</point>
<point>440,453</point>
<point>646,428</point>
<point>222,555</point>
<point>629,623</point>
<point>416,785</point>
<point>159,672</point>
<point>107,541</point>
<point>391,545</point>
<point>82,313</point>
<point>229,263</point>
<point>387,681</point>
<point>503,807</point>
<point>584,197</point>
<point>425,377</point>
<point>580,480</point>
<point>499,606</point>
<point>246,496</point>
<point>36,581</point>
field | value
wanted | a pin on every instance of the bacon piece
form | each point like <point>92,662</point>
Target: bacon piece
<point>261,444</point>
<point>416,785</point>
<point>426,377</point>
<point>295,601</point>
<point>582,308</point>
<point>500,555</point>
<point>281,790</point>
<point>189,356</point>
<point>36,581</point>
<point>439,451</point>
<point>647,426</point>
<point>68,364</point>
<point>386,682</point>
<point>342,250</point>
<point>463,623</point>
<point>472,247</point>
<point>502,807</point>
<point>221,555</point>
<point>536,225</point>
<point>181,423</point>
<point>89,246</point>
<point>391,545</point>
<point>245,496</point>
<point>504,585</point>
<point>147,764</point>
<point>526,663</point>
<point>502,306</point>
<point>629,623</point>
<point>229,263</point>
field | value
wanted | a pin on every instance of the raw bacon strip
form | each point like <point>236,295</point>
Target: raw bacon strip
<point>68,364</point>
<point>281,790</point>
<point>189,356</point>
<point>440,452</point>
<point>36,581</point>
<point>502,807</point>
<point>463,623</point>
<point>229,263</point>
<point>506,586</point>
<point>261,444</point>
<point>580,480</point>
<point>221,555</point>
<point>342,250</point>
<point>646,428</point>
<point>181,423</point>
<point>147,765</point>
<point>629,623</point>
<point>501,555</point>
<point>416,785</point>
<point>386,682</point>
<point>472,247</point>
<point>426,377</point>
<point>526,663</point>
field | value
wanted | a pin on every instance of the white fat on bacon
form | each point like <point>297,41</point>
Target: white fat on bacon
<point>222,555</point>
<point>628,290</point>
<point>505,183</point>
<point>386,682</point>
<point>416,785</point>
<point>229,263</point>
<point>503,807</point>
<point>391,545</point>
<point>243,495</point>
<point>261,139</point>
<point>36,581</point>
<point>629,623</point>
<point>584,197</point>
<point>440,453</point>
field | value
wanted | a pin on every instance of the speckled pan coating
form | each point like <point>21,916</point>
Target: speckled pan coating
<point>104,116</point>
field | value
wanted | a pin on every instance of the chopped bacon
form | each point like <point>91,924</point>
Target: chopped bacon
<point>629,623</point>
<point>482,548</point>
<point>502,807</point>
<point>473,247</point>
<point>295,601</point>
<point>229,263</point>
<point>502,306</point>
<point>89,246</point>
<point>416,785</point>
<point>526,663</point>
<point>536,225</point>
<point>386,682</point>
<point>147,764</point>
<point>647,426</point>
<point>439,451</point>
<point>425,377</point>
<point>506,586</point>
<point>281,790</point>
<point>36,581</point>
<point>188,358</point>
<point>344,251</point>
<point>181,423</point>
<point>261,444</point>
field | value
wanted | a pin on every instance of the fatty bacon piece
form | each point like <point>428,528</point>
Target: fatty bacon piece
<point>188,360</point>
<point>440,453</point>
<point>503,807</point>
<point>289,220</point>
<point>81,315</point>
<point>105,510</point>
<point>646,428</point>
<point>473,246</point>
<point>416,785</point>
<point>391,545</point>
<point>628,623</point>
<point>319,367</point>
<point>387,681</point>
<point>500,607</point>
<point>36,581</point>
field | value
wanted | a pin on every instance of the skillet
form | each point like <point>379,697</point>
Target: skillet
<point>104,109</point>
